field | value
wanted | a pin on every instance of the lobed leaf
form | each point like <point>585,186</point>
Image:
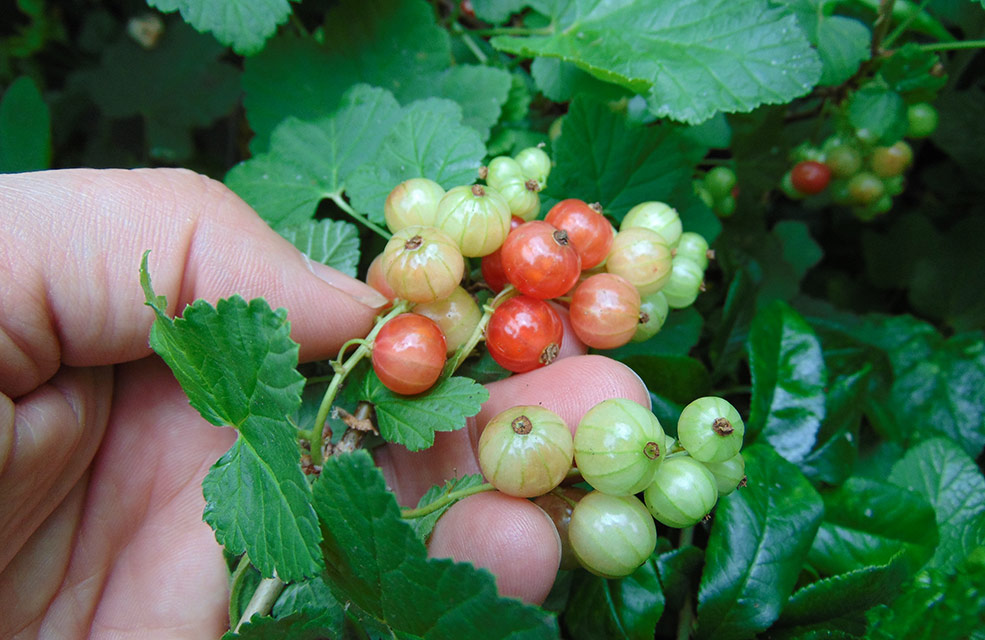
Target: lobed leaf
<point>759,539</point>
<point>480,91</point>
<point>413,420</point>
<point>842,43</point>
<point>244,25</point>
<point>942,472</point>
<point>331,242</point>
<point>376,564</point>
<point>691,58</point>
<point>788,381</point>
<point>237,364</point>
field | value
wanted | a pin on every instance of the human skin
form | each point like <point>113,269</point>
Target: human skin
<point>101,456</point>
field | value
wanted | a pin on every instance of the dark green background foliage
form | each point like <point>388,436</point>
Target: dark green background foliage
<point>854,349</point>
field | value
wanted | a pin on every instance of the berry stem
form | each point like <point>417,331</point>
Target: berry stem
<point>342,204</point>
<point>343,369</point>
<point>262,601</point>
<point>477,334</point>
<point>514,31</point>
<point>952,46</point>
<point>446,499</point>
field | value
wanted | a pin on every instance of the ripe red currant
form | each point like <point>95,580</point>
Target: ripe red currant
<point>642,257</point>
<point>476,217</point>
<point>588,230</point>
<point>539,260</point>
<point>682,493</point>
<point>413,202</point>
<point>710,429</point>
<point>409,353</point>
<point>457,315</point>
<point>810,177</point>
<point>525,451</point>
<point>605,311</point>
<point>611,535</point>
<point>492,264</point>
<point>618,447</point>
<point>422,264</point>
<point>524,333</point>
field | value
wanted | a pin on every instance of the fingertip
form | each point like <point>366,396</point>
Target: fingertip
<point>512,537</point>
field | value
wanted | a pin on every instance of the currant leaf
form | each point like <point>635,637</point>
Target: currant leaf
<point>331,242</point>
<point>245,26</point>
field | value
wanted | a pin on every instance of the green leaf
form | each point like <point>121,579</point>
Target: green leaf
<point>691,58</point>
<point>961,125</point>
<point>677,337</point>
<point>674,380</point>
<point>867,522</point>
<point>425,524</point>
<point>628,608</point>
<point>938,605</point>
<point>497,11</point>
<point>880,111</point>
<point>413,420</point>
<point>951,481</point>
<point>176,86</point>
<point>25,128</point>
<point>309,161</point>
<point>799,249</point>
<point>601,158</point>
<point>842,43</point>
<point>312,595</point>
<point>855,591</point>
<point>481,92</point>
<point>237,364</point>
<point>244,25</point>
<point>391,44</point>
<point>331,242</point>
<point>561,81</point>
<point>679,571</point>
<point>833,459</point>
<point>297,626</point>
<point>759,539</point>
<point>483,369</point>
<point>788,381</point>
<point>376,563</point>
<point>909,72</point>
<point>429,141</point>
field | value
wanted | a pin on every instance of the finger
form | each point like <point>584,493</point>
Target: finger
<point>571,344</point>
<point>511,537</point>
<point>73,241</point>
<point>569,387</point>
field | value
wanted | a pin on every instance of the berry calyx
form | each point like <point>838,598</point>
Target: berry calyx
<point>524,333</point>
<point>653,313</point>
<point>409,354</point>
<point>710,429</point>
<point>525,451</point>
<point>810,177</point>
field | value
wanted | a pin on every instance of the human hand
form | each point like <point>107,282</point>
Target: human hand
<point>101,456</point>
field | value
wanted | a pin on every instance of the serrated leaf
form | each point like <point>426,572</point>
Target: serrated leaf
<point>25,128</point>
<point>175,87</point>
<point>855,591</point>
<point>951,481</point>
<point>759,539</point>
<point>480,91</point>
<point>306,625</point>
<point>331,242</point>
<point>628,608</point>
<point>390,44</point>
<point>692,58</point>
<point>880,111</point>
<point>243,25</point>
<point>561,81</point>
<point>309,161</point>
<point>425,524</point>
<point>429,141</point>
<point>237,364</point>
<point>867,522</point>
<point>842,43</point>
<point>413,420</point>
<point>788,381</point>
<point>601,158</point>
<point>376,563</point>
<point>309,595</point>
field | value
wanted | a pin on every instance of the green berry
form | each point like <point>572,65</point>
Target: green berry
<point>889,162</point>
<point>656,216</point>
<point>413,202</point>
<point>422,264</point>
<point>618,447</point>
<point>725,207</point>
<point>476,217</point>
<point>710,429</point>
<point>865,188</point>
<point>535,164</point>
<point>684,284</point>
<point>693,246</point>
<point>844,161</point>
<point>720,181</point>
<point>682,494</point>
<point>522,198</point>
<point>611,535</point>
<point>921,120</point>
<point>728,474</point>
<point>653,313</point>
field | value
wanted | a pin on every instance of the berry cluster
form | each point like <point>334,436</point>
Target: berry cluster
<point>620,449</point>
<point>856,170</point>
<point>617,286</point>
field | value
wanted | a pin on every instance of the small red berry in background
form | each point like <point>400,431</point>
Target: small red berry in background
<point>810,177</point>
<point>524,333</point>
<point>588,230</point>
<point>409,354</point>
<point>540,261</point>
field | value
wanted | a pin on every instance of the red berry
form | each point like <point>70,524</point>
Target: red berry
<point>409,353</point>
<point>524,333</point>
<point>605,311</point>
<point>588,230</point>
<point>810,177</point>
<point>492,264</point>
<point>540,261</point>
<point>376,279</point>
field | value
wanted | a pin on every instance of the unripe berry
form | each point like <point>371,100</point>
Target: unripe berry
<point>682,493</point>
<point>535,163</point>
<point>559,510</point>
<point>694,246</point>
<point>642,257</point>
<point>611,535</point>
<point>728,474</point>
<point>710,429</point>
<point>684,283</point>
<point>502,170</point>
<point>653,313</point>
<point>476,217</point>
<point>413,202</point>
<point>422,264</point>
<point>525,451</point>
<point>656,216</point>
<point>522,198</point>
<point>457,315</point>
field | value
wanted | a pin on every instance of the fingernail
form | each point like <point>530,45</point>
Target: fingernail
<point>350,286</point>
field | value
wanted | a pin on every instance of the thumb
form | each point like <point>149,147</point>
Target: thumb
<point>72,242</point>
